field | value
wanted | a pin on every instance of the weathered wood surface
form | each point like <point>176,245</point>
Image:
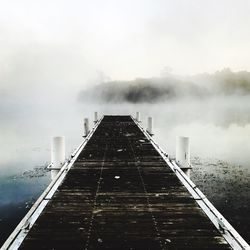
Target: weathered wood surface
<point>120,194</point>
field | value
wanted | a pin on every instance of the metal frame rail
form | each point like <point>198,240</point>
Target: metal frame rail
<point>20,232</point>
<point>228,232</point>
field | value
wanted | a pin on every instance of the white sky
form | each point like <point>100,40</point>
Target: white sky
<point>123,39</point>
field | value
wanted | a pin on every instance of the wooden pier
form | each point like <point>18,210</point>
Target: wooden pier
<point>121,194</point>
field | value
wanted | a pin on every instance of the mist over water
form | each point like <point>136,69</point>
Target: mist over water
<point>218,124</point>
<point>212,109</point>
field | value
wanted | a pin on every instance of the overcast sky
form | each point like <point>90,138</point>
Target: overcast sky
<point>122,39</point>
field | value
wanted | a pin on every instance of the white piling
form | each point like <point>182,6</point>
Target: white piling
<point>96,117</point>
<point>86,126</point>
<point>183,154</point>
<point>57,154</point>
<point>150,125</point>
<point>137,116</point>
<point>53,174</point>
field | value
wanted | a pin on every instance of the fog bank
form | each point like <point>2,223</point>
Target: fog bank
<point>171,87</point>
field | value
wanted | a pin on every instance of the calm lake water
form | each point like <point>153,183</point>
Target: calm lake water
<point>18,193</point>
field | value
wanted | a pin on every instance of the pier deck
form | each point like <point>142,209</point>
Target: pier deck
<point>121,194</point>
